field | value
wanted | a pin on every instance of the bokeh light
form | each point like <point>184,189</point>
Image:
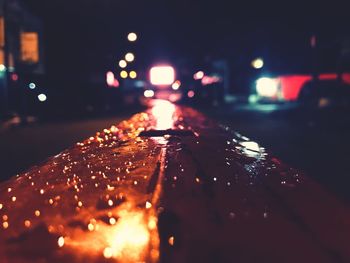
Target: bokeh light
<point>123,74</point>
<point>258,63</point>
<point>267,87</point>
<point>176,85</point>
<point>32,85</point>
<point>148,93</point>
<point>42,97</point>
<point>198,75</point>
<point>132,37</point>
<point>133,74</point>
<point>129,57</point>
<point>162,75</point>
<point>122,63</point>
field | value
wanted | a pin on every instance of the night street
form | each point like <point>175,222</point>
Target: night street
<point>168,185</point>
<point>172,131</point>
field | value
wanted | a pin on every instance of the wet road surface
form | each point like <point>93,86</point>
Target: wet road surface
<point>316,143</point>
<point>198,192</point>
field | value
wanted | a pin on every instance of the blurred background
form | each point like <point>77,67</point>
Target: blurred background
<point>278,72</point>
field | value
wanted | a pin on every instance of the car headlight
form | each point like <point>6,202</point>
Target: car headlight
<point>267,87</point>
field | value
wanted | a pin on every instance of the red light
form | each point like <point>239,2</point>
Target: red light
<point>291,85</point>
<point>346,78</point>
<point>327,76</point>
<point>207,80</point>
<point>190,93</point>
<point>14,77</point>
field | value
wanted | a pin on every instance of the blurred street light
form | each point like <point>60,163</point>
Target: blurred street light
<point>32,85</point>
<point>2,67</point>
<point>162,75</point>
<point>148,93</point>
<point>122,63</point>
<point>190,94</point>
<point>258,63</point>
<point>110,78</point>
<point>267,87</point>
<point>133,74</point>
<point>198,75</point>
<point>132,37</point>
<point>129,57</point>
<point>42,97</point>
<point>176,85</point>
<point>123,74</point>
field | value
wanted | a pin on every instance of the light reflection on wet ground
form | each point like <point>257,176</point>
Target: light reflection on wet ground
<point>210,197</point>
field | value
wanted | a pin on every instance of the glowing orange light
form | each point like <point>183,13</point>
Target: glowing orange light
<point>5,225</point>
<point>107,252</point>
<point>163,111</point>
<point>112,221</point>
<point>131,236</point>
<point>148,205</point>
<point>27,223</point>
<point>162,75</point>
<point>171,240</point>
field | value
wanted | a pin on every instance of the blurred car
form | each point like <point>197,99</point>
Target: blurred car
<point>325,94</point>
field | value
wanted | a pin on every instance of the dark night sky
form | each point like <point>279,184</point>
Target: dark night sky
<point>90,34</point>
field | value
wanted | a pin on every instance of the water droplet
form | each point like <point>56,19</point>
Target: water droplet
<point>107,252</point>
<point>171,240</point>
<point>60,241</point>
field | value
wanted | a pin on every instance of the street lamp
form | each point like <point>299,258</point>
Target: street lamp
<point>132,74</point>
<point>162,75</point>
<point>132,37</point>
<point>123,74</point>
<point>258,63</point>
<point>122,63</point>
<point>129,57</point>
<point>42,97</point>
<point>32,85</point>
